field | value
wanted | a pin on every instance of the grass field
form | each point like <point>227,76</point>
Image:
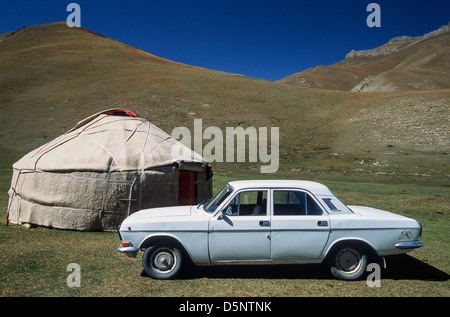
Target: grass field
<point>34,262</point>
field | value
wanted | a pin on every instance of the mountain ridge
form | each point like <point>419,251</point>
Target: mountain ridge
<point>52,76</point>
<point>403,64</point>
<point>397,43</point>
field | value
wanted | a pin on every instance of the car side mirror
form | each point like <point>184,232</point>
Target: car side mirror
<point>224,216</point>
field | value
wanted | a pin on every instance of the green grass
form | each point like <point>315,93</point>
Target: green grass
<point>34,262</point>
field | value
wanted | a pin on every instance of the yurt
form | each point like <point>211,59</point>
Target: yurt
<point>108,166</point>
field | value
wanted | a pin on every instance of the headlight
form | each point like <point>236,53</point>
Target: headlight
<point>405,235</point>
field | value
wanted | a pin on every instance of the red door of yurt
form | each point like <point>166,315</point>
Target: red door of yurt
<point>187,194</point>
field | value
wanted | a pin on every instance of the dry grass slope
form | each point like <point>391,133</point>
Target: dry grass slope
<point>52,76</point>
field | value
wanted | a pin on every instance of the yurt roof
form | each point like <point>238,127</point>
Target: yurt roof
<point>112,140</point>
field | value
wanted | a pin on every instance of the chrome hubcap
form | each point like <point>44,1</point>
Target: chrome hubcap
<point>348,261</point>
<point>163,260</point>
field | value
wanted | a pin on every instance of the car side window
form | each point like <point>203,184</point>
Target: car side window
<point>248,203</point>
<point>294,203</point>
<point>330,204</point>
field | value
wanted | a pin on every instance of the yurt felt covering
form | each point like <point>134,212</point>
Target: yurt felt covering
<point>99,172</point>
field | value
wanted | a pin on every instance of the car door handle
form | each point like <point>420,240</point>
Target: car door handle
<point>264,223</point>
<point>322,223</point>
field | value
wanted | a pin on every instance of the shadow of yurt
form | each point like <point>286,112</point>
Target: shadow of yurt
<point>108,166</point>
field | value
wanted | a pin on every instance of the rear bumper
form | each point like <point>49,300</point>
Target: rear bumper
<point>130,251</point>
<point>409,245</point>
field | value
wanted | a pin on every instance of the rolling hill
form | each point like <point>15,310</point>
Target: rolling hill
<point>52,76</point>
<point>404,63</point>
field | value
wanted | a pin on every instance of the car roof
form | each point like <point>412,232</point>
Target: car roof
<point>313,187</point>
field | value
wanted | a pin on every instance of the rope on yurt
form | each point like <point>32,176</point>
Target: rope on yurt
<point>143,167</point>
<point>136,175</point>
<point>56,142</point>
<point>113,160</point>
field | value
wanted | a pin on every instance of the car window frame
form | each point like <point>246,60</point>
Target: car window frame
<point>341,207</point>
<point>226,189</point>
<point>302,190</point>
<point>238,192</point>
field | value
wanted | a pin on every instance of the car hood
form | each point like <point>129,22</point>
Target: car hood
<point>162,212</point>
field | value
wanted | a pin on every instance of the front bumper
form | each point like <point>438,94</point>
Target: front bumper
<point>130,251</point>
<point>409,245</point>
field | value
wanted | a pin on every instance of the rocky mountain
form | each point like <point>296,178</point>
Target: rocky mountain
<point>404,63</point>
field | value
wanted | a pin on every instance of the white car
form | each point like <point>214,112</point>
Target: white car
<point>267,222</point>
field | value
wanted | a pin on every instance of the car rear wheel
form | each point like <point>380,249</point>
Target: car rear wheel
<point>349,263</point>
<point>162,261</point>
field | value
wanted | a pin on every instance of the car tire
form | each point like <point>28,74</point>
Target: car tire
<point>162,262</point>
<point>349,263</point>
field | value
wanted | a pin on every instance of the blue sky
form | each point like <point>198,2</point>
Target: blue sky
<point>260,38</point>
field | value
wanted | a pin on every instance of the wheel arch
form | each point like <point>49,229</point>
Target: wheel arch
<point>361,244</point>
<point>165,239</point>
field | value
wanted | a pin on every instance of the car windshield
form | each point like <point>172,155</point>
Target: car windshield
<point>218,198</point>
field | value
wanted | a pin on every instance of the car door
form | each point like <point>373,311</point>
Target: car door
<point>300,226</point>
<point>242,232</point>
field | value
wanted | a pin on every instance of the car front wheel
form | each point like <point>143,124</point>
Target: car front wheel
<point>348,263</point>
<point>162,262</point>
